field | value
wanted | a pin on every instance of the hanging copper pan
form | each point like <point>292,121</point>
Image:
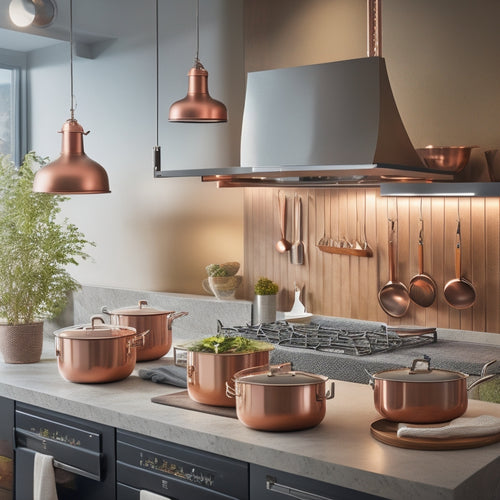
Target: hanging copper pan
<point>459,293</point>
<point>393,297</point>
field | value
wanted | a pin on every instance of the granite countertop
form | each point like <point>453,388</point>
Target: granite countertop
<point>339,451</point>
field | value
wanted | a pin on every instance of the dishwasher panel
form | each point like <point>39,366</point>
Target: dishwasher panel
<point>83,454</point>
<point>175,471</point>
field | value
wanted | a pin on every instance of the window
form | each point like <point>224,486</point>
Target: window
<point>12,104</point>
<point>8,139</point>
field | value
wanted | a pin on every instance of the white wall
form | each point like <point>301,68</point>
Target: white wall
<point>155,234</point>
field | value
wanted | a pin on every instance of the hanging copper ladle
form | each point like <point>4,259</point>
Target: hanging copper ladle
<point>459,293</point>
<point>283,245</point>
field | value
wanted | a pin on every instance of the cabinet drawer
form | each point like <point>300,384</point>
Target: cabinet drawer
<point>270,484</point>
<point>178,471</point>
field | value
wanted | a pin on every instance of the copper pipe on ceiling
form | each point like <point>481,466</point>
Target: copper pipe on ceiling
<point>374,27</point>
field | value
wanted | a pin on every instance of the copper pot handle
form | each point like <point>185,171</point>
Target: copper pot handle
<point>484,377</point>
<point>59,353</point>
<point>176,315</point>
<point>138,340</point>
<point>371,382</point>
<point>180,360</point>
<point>93,319</point>
<point>231,392</point>
<point>189,373</point>
<point>329,391</point>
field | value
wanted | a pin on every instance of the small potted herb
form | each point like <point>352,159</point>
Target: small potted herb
<point>264,306</point>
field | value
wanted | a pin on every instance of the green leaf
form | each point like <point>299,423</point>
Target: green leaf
<point>35,247</point>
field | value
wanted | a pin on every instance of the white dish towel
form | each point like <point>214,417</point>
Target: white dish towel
<point>44,479</point>
<point>484,425</point>
<point>148,495</point>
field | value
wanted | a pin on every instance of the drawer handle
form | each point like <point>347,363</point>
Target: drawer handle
<point>76,470</point>
<point>272,485</point>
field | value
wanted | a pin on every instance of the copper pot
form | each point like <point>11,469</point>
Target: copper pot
<point>207,373</point>
<point>142,317</point>
<point>274,398</point>
<point>421,395</point>
<point>97,352</point>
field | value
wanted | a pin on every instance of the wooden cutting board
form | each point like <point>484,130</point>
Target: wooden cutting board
<point>182,400</point>
<point>386,432</point>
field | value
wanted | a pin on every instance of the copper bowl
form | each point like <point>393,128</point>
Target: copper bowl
<point>451,159</point>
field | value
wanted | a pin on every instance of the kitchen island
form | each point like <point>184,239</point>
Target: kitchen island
<point>339,451</point>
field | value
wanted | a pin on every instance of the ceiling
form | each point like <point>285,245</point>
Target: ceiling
<point>23,42</point>
<point>87,27</point>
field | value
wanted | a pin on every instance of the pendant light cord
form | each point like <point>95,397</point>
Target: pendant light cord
<point>157,74</point>
<point>72,110</point>
<point>156,148</point>
<point>197,60</point>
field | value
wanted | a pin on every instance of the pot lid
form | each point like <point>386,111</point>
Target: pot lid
<point>95,330</point>
<point>289,378</point>
<point>420,371</point>
<point>142,309</point>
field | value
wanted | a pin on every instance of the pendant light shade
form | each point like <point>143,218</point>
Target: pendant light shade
<point>198,106</point>
<point>73,172</point>
<point>37,12</point>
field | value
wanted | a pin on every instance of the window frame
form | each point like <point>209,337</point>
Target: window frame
<point>17,62</point>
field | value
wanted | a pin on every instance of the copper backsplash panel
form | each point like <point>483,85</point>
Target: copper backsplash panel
<point>347,286</point>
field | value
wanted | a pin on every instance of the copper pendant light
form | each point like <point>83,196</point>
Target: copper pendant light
<point>198,106</point>
<point>73,172</point>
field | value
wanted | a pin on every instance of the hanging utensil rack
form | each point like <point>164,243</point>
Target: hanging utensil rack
<point>356,252</point>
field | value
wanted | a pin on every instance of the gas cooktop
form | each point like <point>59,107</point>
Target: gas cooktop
<point>356,342</point>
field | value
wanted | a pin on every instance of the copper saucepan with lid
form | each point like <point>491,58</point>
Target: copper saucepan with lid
<point>275,398</point>
<point>144,317</point>
<point>421,394</point>
<point>97,352</point>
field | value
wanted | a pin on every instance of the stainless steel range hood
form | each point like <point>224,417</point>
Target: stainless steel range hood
<point>323,124</point>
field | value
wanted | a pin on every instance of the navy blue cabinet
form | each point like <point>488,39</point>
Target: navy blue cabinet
<point>6,449</point>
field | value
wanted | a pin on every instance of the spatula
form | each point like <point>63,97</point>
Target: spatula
<point>297,250</point>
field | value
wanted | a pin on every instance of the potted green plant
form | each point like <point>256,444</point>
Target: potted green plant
<point>264,306</point>
<point>36,248</point>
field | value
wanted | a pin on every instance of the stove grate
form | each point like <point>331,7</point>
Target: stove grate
<point>327,338</point>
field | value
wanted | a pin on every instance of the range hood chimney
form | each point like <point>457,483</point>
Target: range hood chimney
<point>338,117</point>
<point>326,124</point>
